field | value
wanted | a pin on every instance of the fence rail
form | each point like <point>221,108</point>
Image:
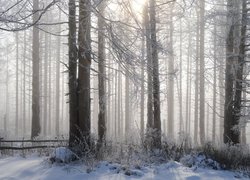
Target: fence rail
<point>38,141</point>
<point>35,144</point>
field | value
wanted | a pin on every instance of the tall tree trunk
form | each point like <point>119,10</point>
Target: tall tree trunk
<point>188,82</point>
<point>58,59</point>
<point>17,82</point>
<point>243,131</point>
<point>121,107</point>
<point>196,105</point>
<point>171,80</point>
<point>30,92</point>
<point>202,72</point>
<point>84,54</point>
<point>95,111</point>
<point>101,74</point>
<point>116,108</point>
<point>142,84</point>
<point>180,81</point>
<point>41,58</point>
<point>6,118</point>
<point>233,74</point>
<point>156,83</point>
<point>113,102</point>
<point>24,83</point>
<point>214,85</point>
<point>45,87</point>
<point>127,103</point>
<point>119,112</point>
<point>239,69</point>
<point>222,99</point>
<point>221,79</point>
<point>50,87</point>
<point>36,128</point>
<point>150,120</point>
<point>73,108</point>
<point>190,93</point>
<point>207,122</point>
<point>228,112</point>
<point>109,114</point>
<point>63,117</point>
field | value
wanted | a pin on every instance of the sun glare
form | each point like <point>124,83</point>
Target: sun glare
<point>138,5</point>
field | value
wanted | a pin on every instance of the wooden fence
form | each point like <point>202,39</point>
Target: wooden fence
<point>31,144</point>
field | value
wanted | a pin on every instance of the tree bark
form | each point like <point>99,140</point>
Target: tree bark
<point>84,54</point>
<point>101,74</point>
<point>127,103</point>
<point>73,108</point>
<point>188,83</point>
<point>229,78</point>
<point>36,128</point>
<point>17,83</point>
<point>150,120</point>
<point>45,87</point>
<point>239,70</point>
<point>24,83</point>
<point>156,83</point>
<point>181,128</point>
<point>6,118</point>
<point>234,69</point>
<point>214,85</point>
<point>196,105</point>
<point>202,72</point>
<point>142,84</point>
<point>170,91</point>
<point>58,59</point>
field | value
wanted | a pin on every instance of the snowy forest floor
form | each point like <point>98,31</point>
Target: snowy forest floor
<point>40,168</point>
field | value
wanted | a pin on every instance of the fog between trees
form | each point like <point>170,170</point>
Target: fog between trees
<point>125,70</point>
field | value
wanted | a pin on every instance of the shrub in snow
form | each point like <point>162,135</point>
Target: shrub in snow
<point>62,155</point>
<point>175,151</point>
<point>199,160</point>
<point>229,156</point>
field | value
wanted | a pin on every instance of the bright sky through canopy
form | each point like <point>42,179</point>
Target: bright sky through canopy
<point>138,5</point>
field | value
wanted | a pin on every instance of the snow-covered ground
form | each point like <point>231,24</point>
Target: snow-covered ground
<point>39,168</point>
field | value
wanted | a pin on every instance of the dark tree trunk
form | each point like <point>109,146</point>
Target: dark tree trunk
<point>73,109</point>
<point>202,72</point>
<point>84,54</point>
<point>101,74</point>
<point>239,72</point>
<point>156,83</point>
<point>150,120</point>
<point>36,128</point>
<point>234,72</point>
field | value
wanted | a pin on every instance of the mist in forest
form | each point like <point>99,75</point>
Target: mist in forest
<point>122,70</point>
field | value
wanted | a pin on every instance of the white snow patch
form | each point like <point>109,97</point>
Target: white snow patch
<point>63,155</point>
<point>39,168</point>
<point>199,160</point>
